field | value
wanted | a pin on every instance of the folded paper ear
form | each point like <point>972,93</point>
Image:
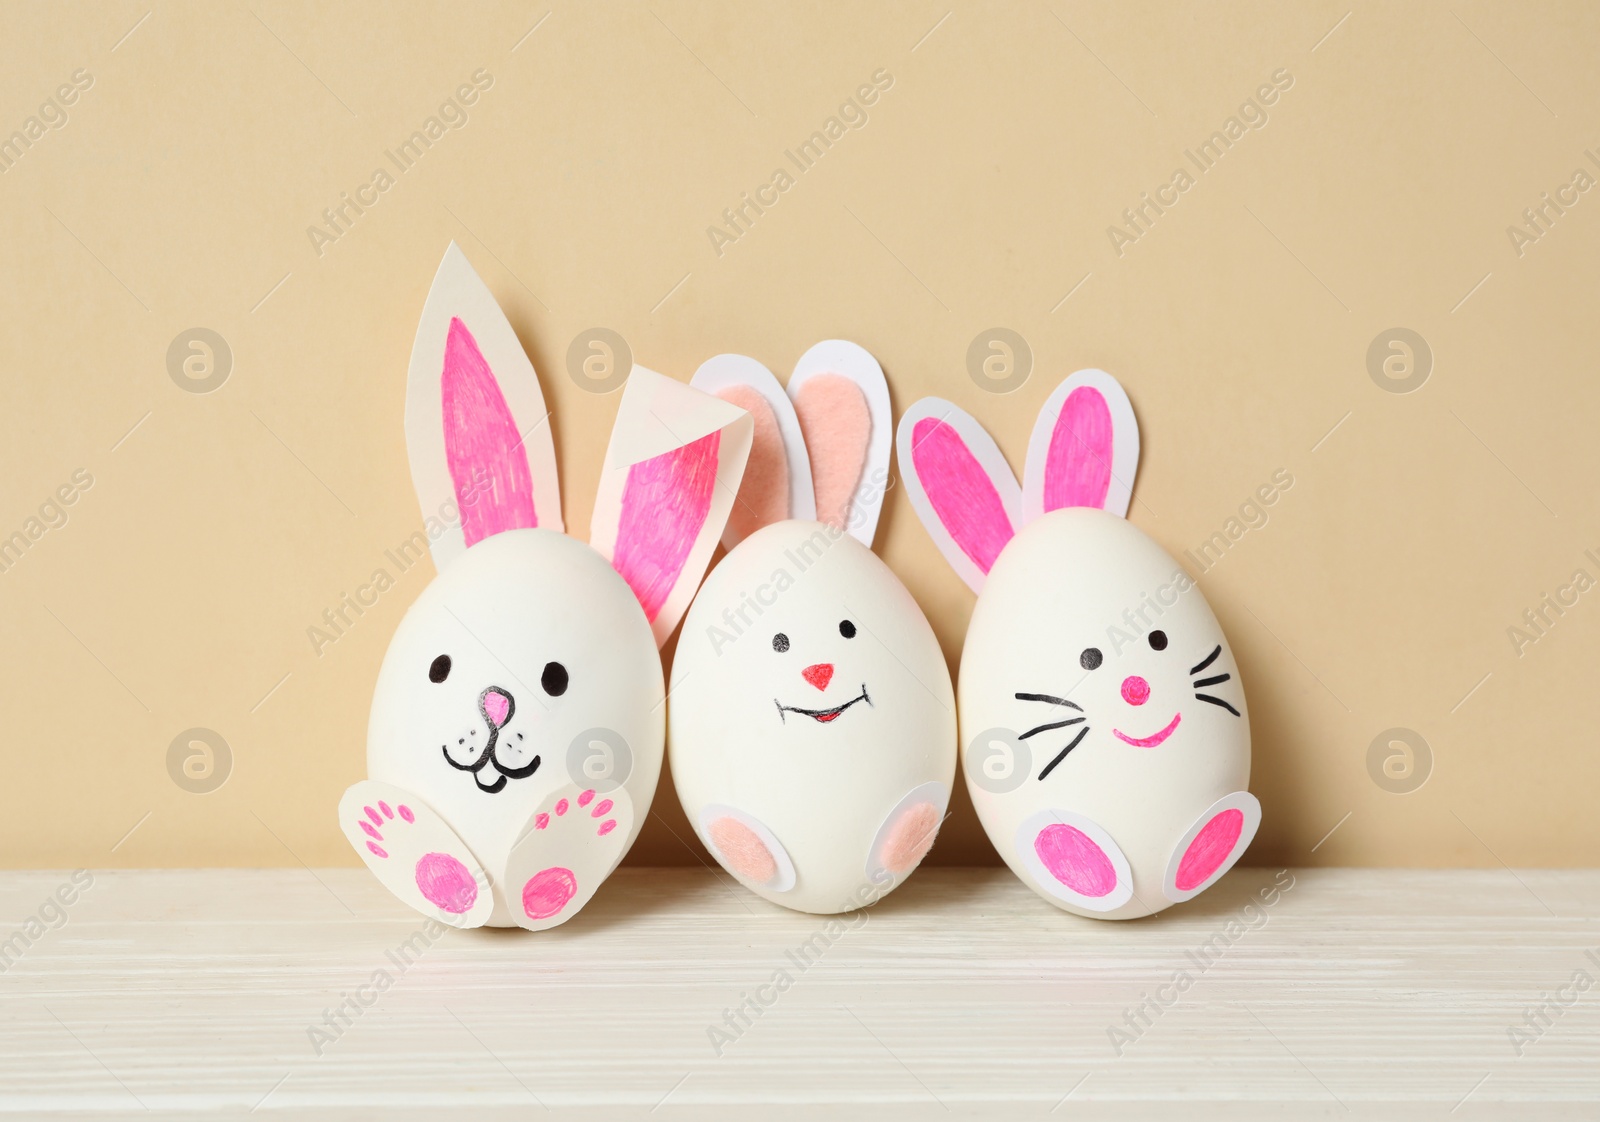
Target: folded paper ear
<point>1084,450</point>
<point>477,430</point>
<point>777,477</point>
<point>842,400</point>
<point>960,486</point>
<point>668,483</point>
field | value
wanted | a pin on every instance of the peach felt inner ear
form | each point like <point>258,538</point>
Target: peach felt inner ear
<point>484,451</point>
<point>837,424</point>
<point>960,491</point>
<point>1077,469</point>
<point>764,492</point>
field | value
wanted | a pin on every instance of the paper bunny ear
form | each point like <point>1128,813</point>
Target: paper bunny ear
<point>959,485</point>
<point>669,479</point>
<point>477,430</point>
<point>1084,450</point>
<point>842,400</point>
<point>777,476</point>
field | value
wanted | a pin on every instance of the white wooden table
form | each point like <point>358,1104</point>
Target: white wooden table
<point>1356,994</point>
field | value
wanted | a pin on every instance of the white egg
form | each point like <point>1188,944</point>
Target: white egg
<point>526,667</point>
<point>812,720</point>
<point>1105,735</point>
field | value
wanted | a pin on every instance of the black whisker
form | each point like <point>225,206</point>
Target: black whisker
<point>1217,701</point>
<point>1212,681</point>
<point>1049,767</point>
<point>1051,700</point>
<point>1208,660</point>
<point>1053,725</point>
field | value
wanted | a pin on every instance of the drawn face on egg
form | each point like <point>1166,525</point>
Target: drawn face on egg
<point>1093,643</point>
<point>820,676</point>
<point>489,679</point>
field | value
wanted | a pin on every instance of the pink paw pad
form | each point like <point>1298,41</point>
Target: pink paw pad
<point>1073,858</point>
<point>1210,848</point>
<point>547,892</point>
<point>446,883</point>
<point>370,827</point>
<point>743,850</point>
<point>586,798</point>
<point>910,838</point>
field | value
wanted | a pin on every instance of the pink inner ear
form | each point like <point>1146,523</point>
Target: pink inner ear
<point>764,490</point>
<point>488,465</point>
<point>1077,469</point>
<point>960,491</point>
<point>664,505</point>
<point>836,423</point>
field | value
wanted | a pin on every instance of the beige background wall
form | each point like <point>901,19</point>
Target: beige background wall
<point>218,527</point>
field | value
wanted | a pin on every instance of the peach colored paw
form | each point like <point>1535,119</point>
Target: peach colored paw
<point>910,838</point>
<point>743,850</point>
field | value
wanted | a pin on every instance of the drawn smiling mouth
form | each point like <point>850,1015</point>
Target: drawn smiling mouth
<point>501,771</point>
<point>821,716</point>
<point>1148,741</point>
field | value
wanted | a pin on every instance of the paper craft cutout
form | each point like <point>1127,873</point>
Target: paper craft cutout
<point>1093,641</point>
<point>465,343</point>
<point>530,646</point>
<point>837,358</point>
<point>777,480</point>
<point>812,718</point>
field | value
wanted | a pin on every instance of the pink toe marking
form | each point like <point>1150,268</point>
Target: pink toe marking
<point>387,813</point>
<point>561,808</point>
<point>376,849</point>
<point>910,837</point>
<point>405,812</point>
<point>583,799</point>
<point>371,833</point>
<point>445,882</point>
<point>547,892</point>
<point>1210,848</point>
<point>607,826</point>
<point>743,850</point>
<point>541,821</point>
<point>1075,860</point>
<point>601,807</point>
<point>372,814</point>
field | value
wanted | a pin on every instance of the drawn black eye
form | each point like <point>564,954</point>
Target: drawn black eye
<point>780,642</point>
<point>440,670</point>
<point>554,679</point>
<point>1158,640</point>
<point>1090,658</point>
<point>847,629</point>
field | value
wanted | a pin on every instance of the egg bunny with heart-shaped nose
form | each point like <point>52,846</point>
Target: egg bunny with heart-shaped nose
<point>1104,731</point>
<point>517,727</point>
<point>812,722</point>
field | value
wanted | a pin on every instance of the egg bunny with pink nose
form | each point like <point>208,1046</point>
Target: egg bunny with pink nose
<point>812,722</point>
<point>517,727</point>
<point>1105,736</point>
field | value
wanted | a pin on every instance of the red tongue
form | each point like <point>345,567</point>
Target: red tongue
<point>826,717</point>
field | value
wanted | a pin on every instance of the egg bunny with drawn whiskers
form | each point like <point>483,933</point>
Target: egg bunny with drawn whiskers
<point>1105,736</point>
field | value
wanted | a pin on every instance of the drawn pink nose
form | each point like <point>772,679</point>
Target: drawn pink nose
<point>1135,690</point>
<point>496,705</point>
<point>819,675</point>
